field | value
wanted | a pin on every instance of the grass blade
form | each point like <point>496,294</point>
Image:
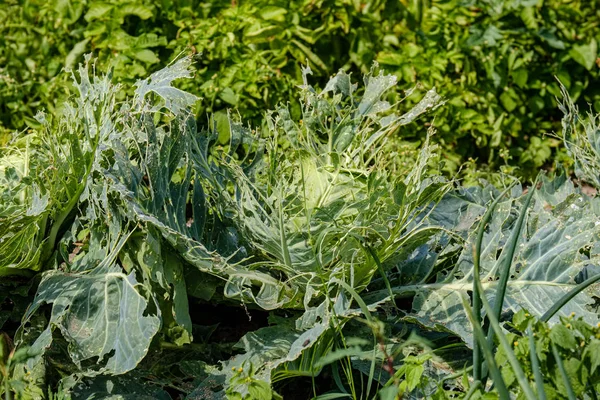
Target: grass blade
<point>332,396</point>
<point>505,267</point>
<point>477,361</point>
<point>563,373</point>
<point>361,303</point>
<point>381,270</point>
<point>519,374</point>
<point>487,351</point>
<point>535,365</point>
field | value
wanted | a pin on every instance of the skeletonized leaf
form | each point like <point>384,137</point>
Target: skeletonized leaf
<point>160,83</point>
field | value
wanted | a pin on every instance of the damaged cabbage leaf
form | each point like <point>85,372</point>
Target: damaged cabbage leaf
<point>326,208</point>
<point>106,304</point>
<point>24,209</point>
<point>556,246</point>
<point>581,137</point>
<point>98,309</point>
<point>149,197</point>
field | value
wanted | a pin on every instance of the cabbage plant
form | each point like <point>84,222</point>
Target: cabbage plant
<point>131,210</point>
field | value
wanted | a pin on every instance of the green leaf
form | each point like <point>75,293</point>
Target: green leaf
<point>592,352</point>
<point>376,86</point>
<point>75,53</point>
<point>550,37</point>
<point>520,77</point>
<point>98,10</point>
<point>585,54</point>
<point>563,337</point>
<point>124,387</point>
<point>147,56</point>
<point>508,101</point>
<point>100,314</point>
<point>139,10</point>
<point>413,376</point>
<point>258,31</point>
<point>260,390</point>
<point>228,96</point>
<point>390,58</point>
<point>388,393</point>
<point>160,83</point>
<point>313,57</point>
<point>273,13</point>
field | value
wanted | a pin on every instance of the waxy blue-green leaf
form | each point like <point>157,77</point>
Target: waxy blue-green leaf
<point>100,314</point>
<point>550,255</point>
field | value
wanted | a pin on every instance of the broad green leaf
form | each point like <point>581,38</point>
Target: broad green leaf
<point>376,85</point>
<point>100,314</point>
<point>563,337</point>
<point>508,101</point>
<point>592,352</point>
<point>274,13</point>
<point>585,54</point>
<point>139,10</point>
<point>550,37</point>
<point>98,10</point>
<point>146,55</point>
<point>228,96</point>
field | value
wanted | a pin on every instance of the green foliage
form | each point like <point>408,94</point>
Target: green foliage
<point>11,363</point>
<point>580,135</point>
<point>133,197</point>
<point>134,216</point>
<point>496,63</point>
<point>577,344</point>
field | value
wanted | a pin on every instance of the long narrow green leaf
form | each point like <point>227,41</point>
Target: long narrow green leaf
<point>505,266</point>
<point>489,355</point>
<point>381,270</point>
<point>512,245</point>
<point>477,361</point>
<point>535,364</point>
<point>519,373</point>
<point>363,306</point>
<point>332,396</point>
<point>563,373</point>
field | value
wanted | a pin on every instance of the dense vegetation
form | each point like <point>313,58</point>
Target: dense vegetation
<point>496,62</point>
<point>246,222</point>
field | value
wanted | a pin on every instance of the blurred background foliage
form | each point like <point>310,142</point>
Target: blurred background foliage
<point>496,62</point>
